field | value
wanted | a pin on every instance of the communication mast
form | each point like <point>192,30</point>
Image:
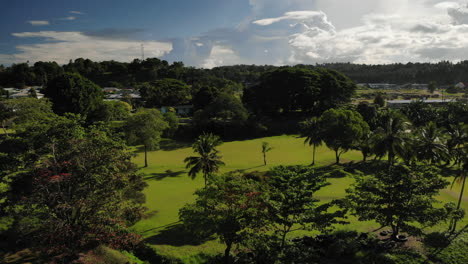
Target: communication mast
<point>142,52</point>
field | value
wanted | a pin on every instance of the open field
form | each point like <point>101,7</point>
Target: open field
<point>170,188</point>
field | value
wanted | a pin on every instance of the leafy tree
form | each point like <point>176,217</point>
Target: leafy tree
<point>209,161</point>
<point>32,93</point>
<point>72,93</point>
<point>23,110</point>
<point>145,127</point>
<point>379,100</point>
<point>432,87</point>
<point>335,89</point>
<point>173,121</point>
<point>401,197</point>
<point>341,130</point>
<point>226,108</point>
<point>231,208</point>
<point>291,203</point>
<point>310,129</point>
<point>163,92</point>
<point>369,113</point>
<point>111,111</point>
<point>67,191</point>
<point>265,148</point>
<point>284,90</point>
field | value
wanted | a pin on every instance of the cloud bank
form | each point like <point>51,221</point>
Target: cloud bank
<point>63,46</point>
<point>286,32</point>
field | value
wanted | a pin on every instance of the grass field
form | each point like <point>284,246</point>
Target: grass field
<point>170,188</point>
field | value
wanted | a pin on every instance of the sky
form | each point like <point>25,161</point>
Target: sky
<point>210,33</point>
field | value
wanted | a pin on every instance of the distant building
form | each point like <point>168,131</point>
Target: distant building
<point>110,90</point>
<point>381,86</point>
<point>179,109</point>
<point>397,104</point>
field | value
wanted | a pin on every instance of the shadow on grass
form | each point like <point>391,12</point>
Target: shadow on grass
<point>163,175</point>
<point>170,144</point>
<point>175,235</point>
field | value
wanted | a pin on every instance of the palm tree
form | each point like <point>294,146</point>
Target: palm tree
<point>461,178</point>
<point>391,137</point>
<point>431,144</point>
<point>458,135</point>
<point>310,129</point>
<point>209,161</point>
<point>265,148</point>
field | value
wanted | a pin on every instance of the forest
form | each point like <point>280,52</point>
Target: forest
<point>273,165</point>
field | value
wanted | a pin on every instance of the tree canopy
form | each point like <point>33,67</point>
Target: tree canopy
<point>72,93</point>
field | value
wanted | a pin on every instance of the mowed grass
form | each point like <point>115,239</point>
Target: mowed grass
<point>170,188</point>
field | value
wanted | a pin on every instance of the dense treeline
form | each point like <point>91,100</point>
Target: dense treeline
<point>121,74</point>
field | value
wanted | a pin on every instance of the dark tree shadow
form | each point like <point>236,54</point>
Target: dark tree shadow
<point>170,144</point>
<point>161,176</point>
<point>175,235</point>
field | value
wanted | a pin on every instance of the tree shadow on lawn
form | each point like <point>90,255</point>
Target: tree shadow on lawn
<point>175,235</point>
<point>161,176</point>
<point>170,144</point>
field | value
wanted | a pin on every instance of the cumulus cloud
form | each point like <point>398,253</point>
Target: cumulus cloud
<point>38,22</point>
<point>63,46</point>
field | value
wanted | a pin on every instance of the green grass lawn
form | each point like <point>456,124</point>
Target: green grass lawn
<point>169,188</point>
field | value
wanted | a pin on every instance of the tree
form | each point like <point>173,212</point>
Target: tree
<point>401,197</point>
<point>342,129</point>
<point>432,87</point>
<point>32,93</point>
<point>169,92</point>
<point>231,208</point>
<point>72,93</point>
<point>21,111</point>
<point>209,161</point>
<point>265,148</point>
<point>173,121</point>
<point>284,90</point>
<point>291,203</point>
<point>145,127</point>
<point>78,188</point>
<point>379,100</point>
<point>431,144</point>
<point>391,136</point>
<point>310,129</point>
<point>461,179</point>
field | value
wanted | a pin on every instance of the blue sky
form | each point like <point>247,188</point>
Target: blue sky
<point>208,33</point>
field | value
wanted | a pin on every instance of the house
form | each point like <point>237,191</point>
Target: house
<point>183,110</point>
<point>397,104</point>
<point>25,93</point>
<point>108,90</point>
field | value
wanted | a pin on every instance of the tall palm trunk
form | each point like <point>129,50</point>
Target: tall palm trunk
<point>313,156</point>
<point>454,227</point>
<point>146,156</point>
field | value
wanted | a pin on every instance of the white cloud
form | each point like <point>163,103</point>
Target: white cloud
<point>76,12</point>
<point>220,56</point>
<point>38,22</point>
<point>296,15</point>
<point>63,46</point>
<point>68,18</point>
